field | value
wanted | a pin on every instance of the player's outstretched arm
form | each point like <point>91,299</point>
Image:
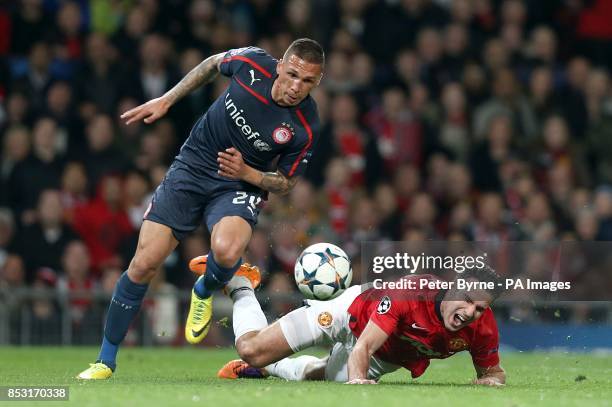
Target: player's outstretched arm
<point>369,341</point>
<point>232,165</point>
<point>490,376</point>
<point>205,72</point>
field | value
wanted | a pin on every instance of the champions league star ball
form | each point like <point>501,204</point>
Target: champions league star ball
<point>323,271</point>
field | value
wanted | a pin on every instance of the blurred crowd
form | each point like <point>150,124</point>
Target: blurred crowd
<point>441,120</point>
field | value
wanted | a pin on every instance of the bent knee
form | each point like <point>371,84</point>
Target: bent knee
<point>227,251</point>
<point>251,354</point>
<point>142,269</point>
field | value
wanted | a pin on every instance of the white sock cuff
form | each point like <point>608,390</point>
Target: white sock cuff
<point>247,315</point>
<point>295,369</point>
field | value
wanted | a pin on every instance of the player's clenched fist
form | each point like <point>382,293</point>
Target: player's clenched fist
<point>150,111</point>
<point>231,164</point>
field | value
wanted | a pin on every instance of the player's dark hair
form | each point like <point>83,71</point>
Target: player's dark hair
<point>308,50</point>
<point>484,274</point>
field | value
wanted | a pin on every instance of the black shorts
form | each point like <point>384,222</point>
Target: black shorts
<point>185,199</point>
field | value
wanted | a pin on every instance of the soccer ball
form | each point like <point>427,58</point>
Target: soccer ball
<point>323,271</point>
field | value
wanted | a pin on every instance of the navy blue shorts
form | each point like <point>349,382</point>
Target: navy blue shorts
<point>184,200</point>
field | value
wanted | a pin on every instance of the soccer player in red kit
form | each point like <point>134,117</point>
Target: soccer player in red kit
<point>372,332</point>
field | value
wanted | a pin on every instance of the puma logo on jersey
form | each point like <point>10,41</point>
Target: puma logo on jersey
<point>253,78</point>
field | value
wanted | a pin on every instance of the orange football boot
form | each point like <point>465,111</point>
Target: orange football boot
<point>197,265</point>
<point>239,369</point>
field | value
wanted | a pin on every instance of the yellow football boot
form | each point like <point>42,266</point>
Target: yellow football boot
<point>199,318</point>
<point>96,371</point>
<point>200,311</point>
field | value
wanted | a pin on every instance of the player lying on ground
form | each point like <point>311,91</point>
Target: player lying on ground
<point>371,332</point>
<point>224,169</point>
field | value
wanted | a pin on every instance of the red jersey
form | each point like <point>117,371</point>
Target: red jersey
<point>416,331</point>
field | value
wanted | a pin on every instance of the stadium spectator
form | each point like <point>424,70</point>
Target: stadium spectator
<point>421,215</point>
<point>7,231</point>
<point>364,225</point>
<point>507,100</point>
<point>136,189</point>
<point>572,97</point>
<point>75,281</point>
<point>259,251</point>
<point>46,320</point>
<point>363,70</point>
<point>103,224</point>
<point>36,76</point>
<point>599,113</point>
<point>12,280</point>
<point>541,94</point>
<point>101,157</point>
<point>346,137</point>
<point>152,151</point>
<point>127,137</point>
<point>126,39</point>
<point>154,76</point>
<point>399,135</point>
<point>68,38</point>
<point>559,149</point>
<point>284,247</point>
<point>60,107</point>
<point>488,155</point>
<point>109,278</point>
<point>454,121</point>
<point>386,202</point>
<point>39,171</point>
<point>16,147</point>
<point>586,225</point>
<point>538,224</point>
<point>42,243</point>
<point>162,309</point>
<point>177,263</point>
<point>490,225</point>
<point>99,81</point>
<point>602,203</point>
<point>338,193</point>
<point>73,189</point>
<point>29,25</point>
<point>12,275</point>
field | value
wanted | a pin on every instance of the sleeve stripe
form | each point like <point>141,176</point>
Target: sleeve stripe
<point>307,146</point>
<point>251,91</point>
<point>250,62</point>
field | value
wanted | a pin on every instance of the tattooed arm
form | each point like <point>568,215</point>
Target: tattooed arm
<point>232,165</point>
<point>276,182</point>
<point>205,72</point>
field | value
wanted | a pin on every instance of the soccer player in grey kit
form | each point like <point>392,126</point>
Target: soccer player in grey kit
<point>220,176</point>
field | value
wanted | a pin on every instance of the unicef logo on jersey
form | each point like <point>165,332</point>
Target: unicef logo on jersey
<point>261,145</point>
<point>282,134</point>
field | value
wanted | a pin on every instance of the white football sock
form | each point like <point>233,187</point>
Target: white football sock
<point>247,315</point>
<point>236,283</point>
<point>295,369</point>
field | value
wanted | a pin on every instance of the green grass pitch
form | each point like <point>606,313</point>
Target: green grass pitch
<point>167,377</point>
